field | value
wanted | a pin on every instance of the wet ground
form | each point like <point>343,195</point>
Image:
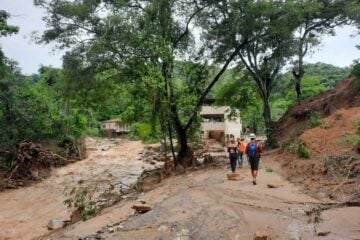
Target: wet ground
<point>205,205</point>
<point>200,204</point>
<point>25,212</point>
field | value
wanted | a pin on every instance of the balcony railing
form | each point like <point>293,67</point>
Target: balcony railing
<point>213,126</point>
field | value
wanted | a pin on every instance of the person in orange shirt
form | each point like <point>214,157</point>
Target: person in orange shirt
<point>242,147</point>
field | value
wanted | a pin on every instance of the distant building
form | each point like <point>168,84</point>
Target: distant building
<point>217,125</point>
<point>115,127</point>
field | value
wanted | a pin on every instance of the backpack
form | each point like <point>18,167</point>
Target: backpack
<point>252,150</point>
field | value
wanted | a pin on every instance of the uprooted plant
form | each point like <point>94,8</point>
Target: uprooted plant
<point>89,200</point>
<point>342,166</point>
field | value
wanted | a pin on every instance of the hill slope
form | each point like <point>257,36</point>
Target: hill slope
<point>295,121</point>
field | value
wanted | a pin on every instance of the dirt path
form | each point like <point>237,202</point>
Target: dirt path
<point>205,205</point>
<point>25,212</point>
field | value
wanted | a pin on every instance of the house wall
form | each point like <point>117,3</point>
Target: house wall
<point>116,126</point>
<point>232,126</point>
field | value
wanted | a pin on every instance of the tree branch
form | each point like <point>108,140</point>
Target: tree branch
<point>212,83</point>
<point>176,42</point>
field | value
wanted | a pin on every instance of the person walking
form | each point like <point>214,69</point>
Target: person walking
<point>253,151</point>
<point>232,150</point>
<point>241,150</point>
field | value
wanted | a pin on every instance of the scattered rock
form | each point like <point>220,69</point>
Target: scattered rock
<point>163,228</point>
<point>179,169</point>
<point>233,176</point>
<point>323,233</point>
<point>261,236</point>
<point>55,224</point>
<point>120,227</point>
<point>141,208</point>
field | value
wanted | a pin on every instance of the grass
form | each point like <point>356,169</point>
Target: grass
<point>315,119</point>
<point>268,169</point>
<point>300,149</point>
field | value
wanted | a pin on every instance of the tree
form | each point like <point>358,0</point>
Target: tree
<point>315,18</point>
<point>264,57</point>
<point>141,40</point>
<point>239,92</point>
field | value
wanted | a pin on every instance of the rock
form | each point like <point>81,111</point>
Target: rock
<point>163,228</point>
<point>261,236</point>
<point>179,169</point>
<point>141,208</point>
<point>111,229</point>
<point>152,162</point>
<point>323,233</point>
<point>55,224</point>
<point>233,176</point>
<point>120,227</point>
<point>272,186</point>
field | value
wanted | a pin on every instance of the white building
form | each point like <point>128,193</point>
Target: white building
<point>217,125</point>
<point>115,125</point>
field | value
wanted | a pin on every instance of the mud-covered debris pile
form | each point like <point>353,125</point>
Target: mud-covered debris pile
<point>33,162</point>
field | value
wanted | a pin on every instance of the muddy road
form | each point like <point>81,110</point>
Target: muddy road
<point>205,205</point>
<point>200,204</point>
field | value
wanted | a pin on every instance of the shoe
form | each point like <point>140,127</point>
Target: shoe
<point>254,182</point>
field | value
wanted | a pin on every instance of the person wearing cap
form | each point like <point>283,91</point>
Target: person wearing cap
<point>253,151</point>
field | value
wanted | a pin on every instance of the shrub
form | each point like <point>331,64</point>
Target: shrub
<point>357,124</point>
<point>315,119</point>
<point>81,199</point>
<point>356,72</point>
<point>144,132</point>
<point>300,149</point>
<point>268,169</point>
<point>303,151</point>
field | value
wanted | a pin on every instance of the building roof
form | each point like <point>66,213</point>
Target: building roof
<point>115,120</point>
<point>209,110</point>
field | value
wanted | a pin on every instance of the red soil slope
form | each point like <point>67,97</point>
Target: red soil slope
<point>333,170</point>
<point>294,122</point>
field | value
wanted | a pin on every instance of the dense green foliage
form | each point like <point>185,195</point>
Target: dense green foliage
<point>238,91</point>
<point>153,63</point>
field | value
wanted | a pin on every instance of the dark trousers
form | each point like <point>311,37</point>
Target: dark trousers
<point>240,158</point>
<point>233,159</point>
<point>254,162</point>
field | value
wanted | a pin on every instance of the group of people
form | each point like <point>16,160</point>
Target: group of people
<point>253,151</point>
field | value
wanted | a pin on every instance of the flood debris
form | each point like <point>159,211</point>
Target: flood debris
<point>55,224</point>
<point>261,235</point>
<point>33,163</point>
<point>233,176</point>
<point>141,208</point>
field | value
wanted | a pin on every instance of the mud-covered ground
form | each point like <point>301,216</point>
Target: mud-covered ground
<point>200,204</point>
<point>205,205</point>
<point>25,212</point>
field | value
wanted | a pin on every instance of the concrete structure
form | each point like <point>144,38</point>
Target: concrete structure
<point>217,125</point>
<point>115,126</point>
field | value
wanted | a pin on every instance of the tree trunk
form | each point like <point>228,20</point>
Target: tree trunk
<point>171,144</point>
<point>297,79</point>
<point>269,125</point>
<point>185,155</point>
<point>298,88</point>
